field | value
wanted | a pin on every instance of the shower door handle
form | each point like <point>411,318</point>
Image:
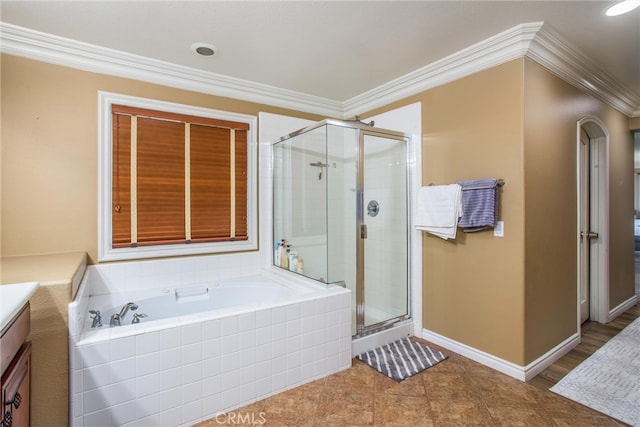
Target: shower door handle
<point>363,231</point>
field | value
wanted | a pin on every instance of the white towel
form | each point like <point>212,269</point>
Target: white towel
<point>438,209</point>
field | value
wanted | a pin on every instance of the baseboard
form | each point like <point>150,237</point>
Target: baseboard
<point>522,373</point>
<point>549,358</point>
<point>617,311</point>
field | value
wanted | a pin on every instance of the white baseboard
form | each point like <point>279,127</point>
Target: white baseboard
<point>522,373</point>
<point>547,359</point>
<point>617,311</point>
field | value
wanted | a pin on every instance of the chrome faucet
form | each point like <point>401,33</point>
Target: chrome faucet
<point>117,317</point>
<point>128,306</point>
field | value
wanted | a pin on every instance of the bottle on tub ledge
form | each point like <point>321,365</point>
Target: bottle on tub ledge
<point>293,260</point>
<point>277,253</point>
<point>282,254</point>
<point>287,258</point>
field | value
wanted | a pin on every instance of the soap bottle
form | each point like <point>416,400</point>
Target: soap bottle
<point>276,254</point>
<point>286,257</point>
<point>283,254</point>
<point>300,266</point>
<point>293,260</point>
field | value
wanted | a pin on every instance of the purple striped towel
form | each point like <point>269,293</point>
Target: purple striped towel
<point>479,204</point>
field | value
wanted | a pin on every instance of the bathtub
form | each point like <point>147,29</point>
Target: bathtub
<point>204,348</point>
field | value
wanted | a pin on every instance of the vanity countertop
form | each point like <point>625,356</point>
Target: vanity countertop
<point>12,298</point>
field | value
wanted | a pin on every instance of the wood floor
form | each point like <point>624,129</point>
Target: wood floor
<point>594,336</point>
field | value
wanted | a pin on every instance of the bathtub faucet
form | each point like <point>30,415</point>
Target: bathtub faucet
<point>117,317</point>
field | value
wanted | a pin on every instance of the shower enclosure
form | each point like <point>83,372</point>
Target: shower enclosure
<point>341,215</point>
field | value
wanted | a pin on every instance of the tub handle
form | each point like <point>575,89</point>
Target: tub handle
<point>96,319</point>
<point>190,292</point>
<point>137,317</point>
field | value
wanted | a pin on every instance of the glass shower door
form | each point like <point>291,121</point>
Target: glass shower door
<point>383,230</point>
<point>340,205</point>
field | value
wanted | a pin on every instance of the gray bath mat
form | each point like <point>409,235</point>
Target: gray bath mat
<point>401,359</point>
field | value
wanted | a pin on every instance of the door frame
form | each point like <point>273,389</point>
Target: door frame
<point>599,273</point>
<point>361,327</point>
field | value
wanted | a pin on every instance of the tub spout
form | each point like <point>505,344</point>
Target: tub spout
<point>128,306</point>
<point>117,317</point>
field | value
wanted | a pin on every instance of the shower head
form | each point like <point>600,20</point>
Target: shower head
<point>371,123</point>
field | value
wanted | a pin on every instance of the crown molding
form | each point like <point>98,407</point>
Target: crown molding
<point>496,50</point>
<point>532,40</point>
<point>571,65</point>
<point>57,50</point>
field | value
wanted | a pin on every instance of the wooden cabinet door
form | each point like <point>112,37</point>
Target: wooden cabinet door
<point>16,389</point>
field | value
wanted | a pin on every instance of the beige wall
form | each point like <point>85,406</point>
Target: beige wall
<point>552,110</point>
<point>49,151</point>
<point>473,289</point>
<point>515,297</point>
<point>473,286</point>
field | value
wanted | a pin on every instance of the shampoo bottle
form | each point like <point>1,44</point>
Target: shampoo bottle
<point>283,254</point>
<point>276,254</point>
<point>293,260</point>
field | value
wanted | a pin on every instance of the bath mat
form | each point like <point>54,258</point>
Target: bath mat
<point>401,359</point>
<point>609,380</point>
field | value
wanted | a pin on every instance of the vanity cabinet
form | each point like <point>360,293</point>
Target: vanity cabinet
<point>16,372</point>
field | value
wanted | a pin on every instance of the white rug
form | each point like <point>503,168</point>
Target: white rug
<point>609,380</point>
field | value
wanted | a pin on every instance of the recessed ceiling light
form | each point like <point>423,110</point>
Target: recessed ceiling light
<point>622,7</point>
<point>204,49</point>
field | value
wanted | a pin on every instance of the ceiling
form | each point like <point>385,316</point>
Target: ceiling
<point>330,49</point>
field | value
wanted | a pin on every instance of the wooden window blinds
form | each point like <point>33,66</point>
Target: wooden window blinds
<point>177,179</point>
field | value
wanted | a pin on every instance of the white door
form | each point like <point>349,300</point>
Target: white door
<point>591,217</point>
<point>585,225</point>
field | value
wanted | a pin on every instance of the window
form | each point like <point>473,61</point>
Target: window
<point>174,179</point>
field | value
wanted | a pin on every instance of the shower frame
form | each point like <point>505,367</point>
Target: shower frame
<point>363,130</point>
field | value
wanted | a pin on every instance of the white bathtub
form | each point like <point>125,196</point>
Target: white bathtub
<point>225,296</point>
<point>199,353</point>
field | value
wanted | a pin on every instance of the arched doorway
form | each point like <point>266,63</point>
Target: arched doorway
<point>593,220</point>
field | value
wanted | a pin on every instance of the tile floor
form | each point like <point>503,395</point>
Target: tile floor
<point>456,392</point>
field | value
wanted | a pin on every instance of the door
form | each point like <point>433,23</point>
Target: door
<point>592,141</point>
<point>591,219</point>
<point>585,225</point>
<point>383,232</point>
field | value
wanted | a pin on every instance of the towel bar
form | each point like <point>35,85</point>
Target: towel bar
<point>499,183</point>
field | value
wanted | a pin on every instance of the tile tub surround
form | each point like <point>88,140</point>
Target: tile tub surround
<point>196,367</point>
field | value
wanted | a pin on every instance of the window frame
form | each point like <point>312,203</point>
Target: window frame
<point>105,161</point>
